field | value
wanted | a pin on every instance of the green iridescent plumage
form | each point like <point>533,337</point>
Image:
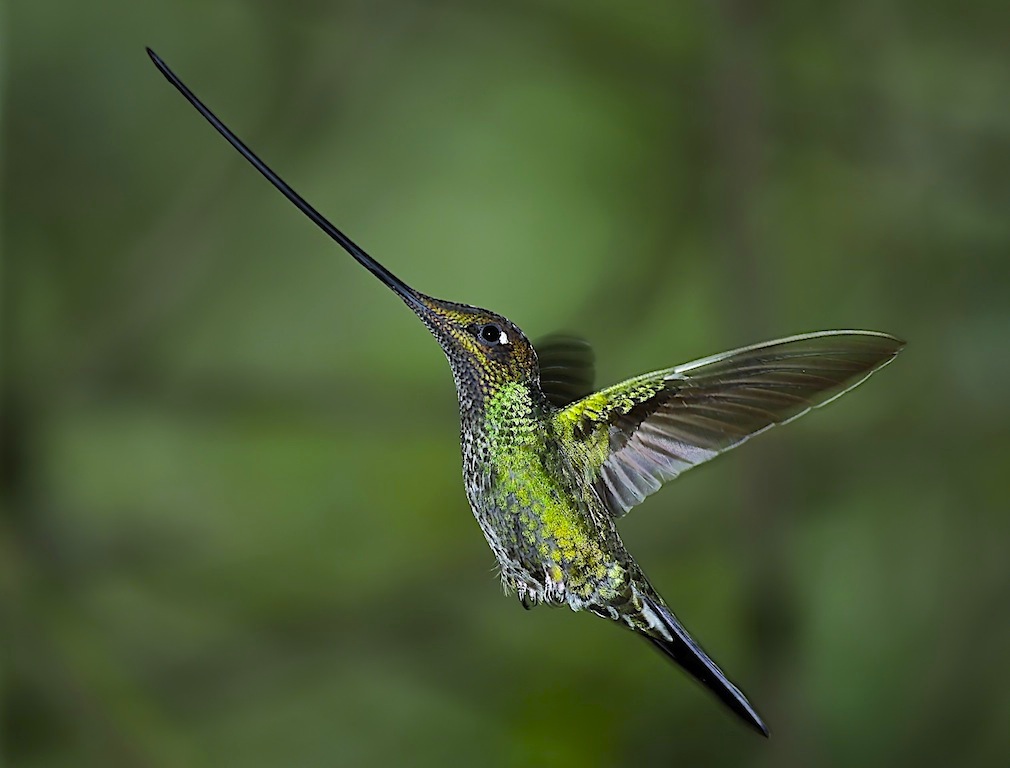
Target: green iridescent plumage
<point>549,465</point>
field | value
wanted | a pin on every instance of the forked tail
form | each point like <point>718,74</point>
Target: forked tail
<point>688,654</point>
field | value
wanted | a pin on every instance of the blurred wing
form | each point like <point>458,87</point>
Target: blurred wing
<point>643,432</point>
<point>567,368</point>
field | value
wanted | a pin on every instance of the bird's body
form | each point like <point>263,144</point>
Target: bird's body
<point>528,482</point>
<point>553,538</point>
<point>550,465</point>
<point>532,494</point>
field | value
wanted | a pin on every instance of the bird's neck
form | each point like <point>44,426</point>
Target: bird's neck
<point>499,412</point>
<point>513,414</point>
<point>483,397</point>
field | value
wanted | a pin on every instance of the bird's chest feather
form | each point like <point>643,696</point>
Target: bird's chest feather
<point>529,505</point>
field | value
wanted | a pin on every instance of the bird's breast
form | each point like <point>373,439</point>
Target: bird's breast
<point>531,509</point>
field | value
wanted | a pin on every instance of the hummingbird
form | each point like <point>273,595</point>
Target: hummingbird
<point>550,464</point>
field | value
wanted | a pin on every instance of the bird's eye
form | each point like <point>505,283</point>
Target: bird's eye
<point>491,335</point>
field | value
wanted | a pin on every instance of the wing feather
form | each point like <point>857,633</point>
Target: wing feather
<point>567,368</point>
<point>641,433</point>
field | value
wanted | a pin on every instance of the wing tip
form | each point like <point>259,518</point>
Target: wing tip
<point>894,346</point>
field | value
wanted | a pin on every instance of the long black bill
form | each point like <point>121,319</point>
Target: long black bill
<point>401,288</point>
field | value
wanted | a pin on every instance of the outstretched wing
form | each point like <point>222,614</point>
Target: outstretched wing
<point>567,368</point>
<point>637,435</point>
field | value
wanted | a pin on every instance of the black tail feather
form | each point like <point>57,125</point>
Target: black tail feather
<point>689,655</point>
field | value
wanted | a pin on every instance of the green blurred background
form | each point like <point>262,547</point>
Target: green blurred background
<point>233,527</point>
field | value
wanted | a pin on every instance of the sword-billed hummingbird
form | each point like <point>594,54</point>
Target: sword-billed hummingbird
<point>550,465</point>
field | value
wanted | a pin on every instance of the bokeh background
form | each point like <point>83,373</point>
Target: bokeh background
<point>233,528</point>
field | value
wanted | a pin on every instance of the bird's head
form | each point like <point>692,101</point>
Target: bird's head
<point>485,350</point>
